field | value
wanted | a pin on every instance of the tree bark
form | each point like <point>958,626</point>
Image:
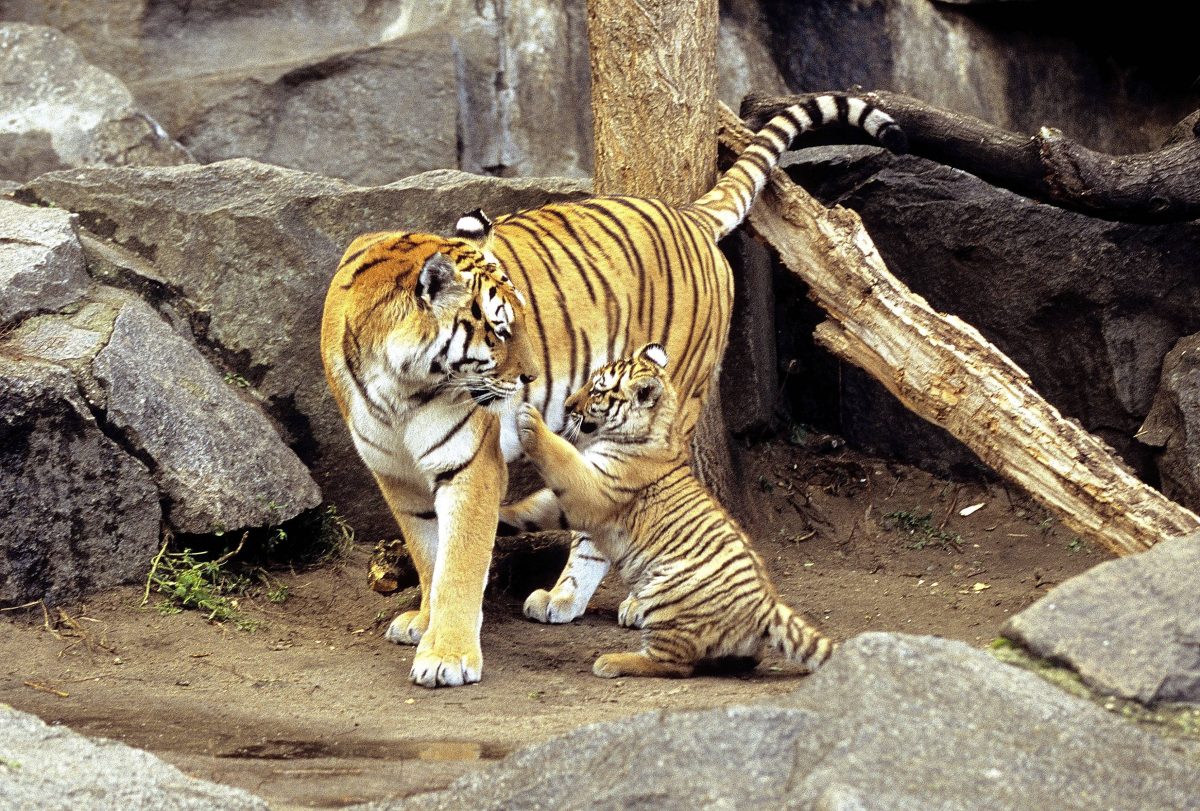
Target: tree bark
<point>654,96</point>
<point>946,372</point>
<point>1159,186</point>
<point>654,107</point>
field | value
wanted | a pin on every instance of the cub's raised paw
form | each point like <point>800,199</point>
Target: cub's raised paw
<point>629,614</point>
<point>432,668</point>
<point>408,628</point>
<point>555,608</point>
<point>529,420</point>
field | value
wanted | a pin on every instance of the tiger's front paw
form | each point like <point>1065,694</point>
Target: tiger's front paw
<point>629,613</point>
<point>408,628</point>
<point>444,666</point>
<point>556,608</point>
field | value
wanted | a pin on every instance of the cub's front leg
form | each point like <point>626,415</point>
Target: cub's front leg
<point>572,479</point>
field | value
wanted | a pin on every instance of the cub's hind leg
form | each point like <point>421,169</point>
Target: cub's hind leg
<point>665,653</point>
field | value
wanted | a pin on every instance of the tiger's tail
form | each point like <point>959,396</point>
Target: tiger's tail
<point>729,201</point>
<point>796,639</point>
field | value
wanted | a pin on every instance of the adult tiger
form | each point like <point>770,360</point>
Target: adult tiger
<point>431,344</point>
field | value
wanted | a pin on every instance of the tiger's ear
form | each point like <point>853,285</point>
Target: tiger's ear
<point>437,279</point>
<point>474,226</point>
<point>655,353</point>
<point>647,391</point>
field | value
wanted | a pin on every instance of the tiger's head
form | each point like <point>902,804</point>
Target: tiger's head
<point>630,397</point>
<point>439,311</point>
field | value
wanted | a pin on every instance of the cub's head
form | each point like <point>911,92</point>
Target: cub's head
<point>630,397</point>
<point>437,314</point>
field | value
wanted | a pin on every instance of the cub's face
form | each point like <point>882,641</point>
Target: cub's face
<point>625,398</point>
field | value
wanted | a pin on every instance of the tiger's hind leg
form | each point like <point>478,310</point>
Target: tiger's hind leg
<point>579,580</point>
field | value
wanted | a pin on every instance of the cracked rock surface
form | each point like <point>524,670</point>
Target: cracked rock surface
<point>891,721</point>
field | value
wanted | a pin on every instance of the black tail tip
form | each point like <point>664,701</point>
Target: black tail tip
<point>894,138</point>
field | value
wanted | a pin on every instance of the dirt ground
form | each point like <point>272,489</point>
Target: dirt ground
<point>313,709</point>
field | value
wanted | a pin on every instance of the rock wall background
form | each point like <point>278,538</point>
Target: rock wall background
<point>184,176</point>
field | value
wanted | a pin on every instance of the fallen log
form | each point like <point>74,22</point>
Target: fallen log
<point>944,370</point>
<point>1158,186</point>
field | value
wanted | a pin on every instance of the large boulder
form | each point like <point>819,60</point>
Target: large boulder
<point>216,458</point>
<point>77,513</point>
<point>41,261</point>
<point>371,115</point>
<point>51,768</point>
<point>1087,307</point>
<point>1108,79</point>
<point>243,252</point>
<point>366,92</point>
<point>1129,627</point>
<point>891,721</point>
<point>57,111</point>
<point>218,461</point>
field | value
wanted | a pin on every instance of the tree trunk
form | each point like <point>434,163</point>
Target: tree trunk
<point>654,96</point>
<point>945,371</point>
<point>654,115</point>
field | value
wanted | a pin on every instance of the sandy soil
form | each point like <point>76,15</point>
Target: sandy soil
<point>313,709</point>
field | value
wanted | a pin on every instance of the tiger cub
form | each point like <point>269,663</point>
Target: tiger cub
<point>697,588</point>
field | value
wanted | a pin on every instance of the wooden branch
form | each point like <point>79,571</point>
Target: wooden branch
<point>946,372</point>
<point>1159,186</point>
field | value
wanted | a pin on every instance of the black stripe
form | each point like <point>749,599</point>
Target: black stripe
<point>843,109</point>
<point>351,351</point>
<point>564,311</point>
<point>814,112</point>
<point>365,266</point>
<point>445,437</point>
<point>631,250</point>
<point>516,267</point>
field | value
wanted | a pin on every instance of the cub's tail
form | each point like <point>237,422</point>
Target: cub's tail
<point>729,201</point>
<point>798,640</point>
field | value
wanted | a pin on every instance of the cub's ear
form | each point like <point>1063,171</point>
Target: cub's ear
<point>474,226</point>
<point>438,278</point>
<point>647,391</point>
<point>655,353</point>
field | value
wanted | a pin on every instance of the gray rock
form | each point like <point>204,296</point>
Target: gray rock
<point>77,513</point>
<point>41,261</point>
<point>1085,306</point>
<point>1130,627</point>
<point>367,92</point>
<point>247,251</point>
<point>526,87</point>
<point>216,458</point>
<point>891,722</point>
<point>51,768</point>
<point>1173,423</point>
<point>370,116</point>
<point>1108,90</point>
<point>57,111</point>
